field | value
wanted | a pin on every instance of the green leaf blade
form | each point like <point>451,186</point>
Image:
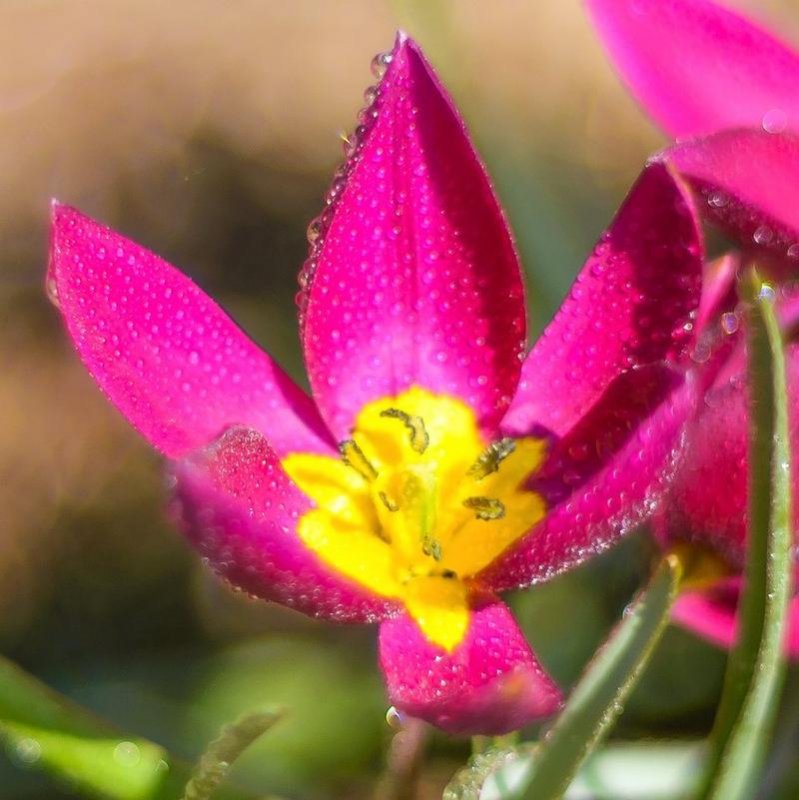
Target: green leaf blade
<point>599,696</point>
<point>42,730</point>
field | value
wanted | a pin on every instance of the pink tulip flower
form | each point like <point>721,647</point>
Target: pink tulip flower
<point>433,466</point>
<point>701,70</point>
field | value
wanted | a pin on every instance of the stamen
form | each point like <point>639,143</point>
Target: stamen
<point>485,508</point>
<point>388,502</point>
<point>353,456</point>
<point>419,437</point>
<point>431,547</point>
<point>489,460</point>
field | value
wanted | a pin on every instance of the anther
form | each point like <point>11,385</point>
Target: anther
<point>449,574</point>
<point>419,437</point>
<point>388,502</point>
<point>485,508</point>
<point>353,456</point>
<point>431,547</point>
<point>489,460</point>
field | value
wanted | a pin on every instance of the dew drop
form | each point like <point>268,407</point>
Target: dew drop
<point>370,95</point>
<point>127,754</point>
<point>767,293</point>
<point>380,64</point>
<point>395,718</point>
<point>52,292</point>
<point>717,200</point>
<point>27,751</point>
<point>763,235</point>
<point>775,121</point>
<point>314,230</point>
<point>729,322</point>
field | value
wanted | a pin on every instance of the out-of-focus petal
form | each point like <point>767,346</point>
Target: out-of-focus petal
<point>490,684</point>
<point>748,181</point>
<point>240,510</point>
<point>630,305</point>
<point>165,354</point>
<point>713,614</point>
<point>604,477</point>
<point>707,500</point>
<point>698,67</point>
<point>414,279</point>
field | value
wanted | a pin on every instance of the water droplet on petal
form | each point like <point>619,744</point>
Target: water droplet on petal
<point>717,200</point>
<point>729,322</point>
<point>380,64</point>
<point>52,292</point>
<point>763,235</point>
<point>314,230</point>
<point>775,121</point>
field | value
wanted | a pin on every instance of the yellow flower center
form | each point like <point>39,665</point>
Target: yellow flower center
<point>418,504</point>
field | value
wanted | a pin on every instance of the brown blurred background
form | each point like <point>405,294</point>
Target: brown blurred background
<point>207,132</point>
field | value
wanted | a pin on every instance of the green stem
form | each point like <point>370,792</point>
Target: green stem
<point>756,665</point>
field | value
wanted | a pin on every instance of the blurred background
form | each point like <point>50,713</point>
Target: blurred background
<point>207,131</point>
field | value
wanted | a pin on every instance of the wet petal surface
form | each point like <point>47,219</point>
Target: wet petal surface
<point>632,304</point>
<point>166,355</point>
<point>747,183</point>
<point>491,684</point>
<point>414,279</point>
<point>240,510</point>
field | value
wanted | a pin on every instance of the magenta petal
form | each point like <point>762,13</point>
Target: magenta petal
<point>698,67</point>
<point>719,291</point>
<point>416,280</point>
<point>630,305</point>
<point>240,510</point>
<point>604,477</point>
<point>165,354</point>
<point>713,615</point>
<point>749,181</point>
<point>490,684</point>
<point>707,501</point>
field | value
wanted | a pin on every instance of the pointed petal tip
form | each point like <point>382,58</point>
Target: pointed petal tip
<point>476,689</point>
<point>411,143</point>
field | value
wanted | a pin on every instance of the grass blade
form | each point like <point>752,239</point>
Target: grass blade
<point>232,741</point>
